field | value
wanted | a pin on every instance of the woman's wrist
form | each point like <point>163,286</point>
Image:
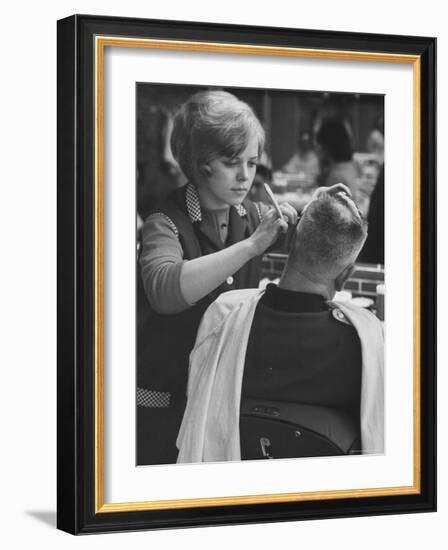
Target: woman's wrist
<point>252,247</point>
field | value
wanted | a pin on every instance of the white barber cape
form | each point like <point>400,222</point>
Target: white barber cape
<point>210,427</point>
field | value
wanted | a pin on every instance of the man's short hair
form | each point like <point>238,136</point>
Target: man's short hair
<point>330,232</point>
<point>212,124</point>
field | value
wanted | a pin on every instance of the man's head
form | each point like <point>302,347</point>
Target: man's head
<point>327,241</point>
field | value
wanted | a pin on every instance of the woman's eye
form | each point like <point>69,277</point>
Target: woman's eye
<point>235,162</point>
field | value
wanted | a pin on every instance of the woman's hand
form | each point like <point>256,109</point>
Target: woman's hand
<point>332,190</point>
<point>337,188</point>
<point>267,231</point>
<point>289,212</point>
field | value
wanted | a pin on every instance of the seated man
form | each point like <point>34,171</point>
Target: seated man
<point>290,343</point>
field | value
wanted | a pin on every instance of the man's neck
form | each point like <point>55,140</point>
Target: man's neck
<point>296,281</point>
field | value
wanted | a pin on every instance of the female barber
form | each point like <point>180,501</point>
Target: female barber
<point>205,239</point>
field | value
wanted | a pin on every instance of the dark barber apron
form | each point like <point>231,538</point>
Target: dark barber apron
<point>164,342</point>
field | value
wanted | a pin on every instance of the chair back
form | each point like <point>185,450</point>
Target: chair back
<point>273,429</point>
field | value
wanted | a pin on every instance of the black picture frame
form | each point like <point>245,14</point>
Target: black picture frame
<point>79,508</point>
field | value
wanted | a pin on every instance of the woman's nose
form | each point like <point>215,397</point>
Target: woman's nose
<point>243,172</point>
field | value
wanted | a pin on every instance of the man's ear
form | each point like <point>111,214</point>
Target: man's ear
<point>343,276</point>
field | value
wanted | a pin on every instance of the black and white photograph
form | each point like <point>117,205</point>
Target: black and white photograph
<point>260,273</point>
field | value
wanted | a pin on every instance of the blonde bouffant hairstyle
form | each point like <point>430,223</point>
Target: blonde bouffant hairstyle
<point>209,125</point>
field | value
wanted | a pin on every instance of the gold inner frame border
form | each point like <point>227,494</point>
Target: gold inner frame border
<point>100,44</point>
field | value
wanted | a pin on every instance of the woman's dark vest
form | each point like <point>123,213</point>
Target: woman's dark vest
<point>164,342</point>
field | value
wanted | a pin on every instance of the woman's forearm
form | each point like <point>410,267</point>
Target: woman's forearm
<point>202,275</point>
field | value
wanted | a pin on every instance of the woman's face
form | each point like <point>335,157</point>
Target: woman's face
<point>228,180</point>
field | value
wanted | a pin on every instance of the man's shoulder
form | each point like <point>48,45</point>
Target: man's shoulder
<point>339,316</point>
<point>353,314</point>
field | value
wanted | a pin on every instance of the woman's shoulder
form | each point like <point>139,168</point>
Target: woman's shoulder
<point>174,210</point>
<point>159,222</point>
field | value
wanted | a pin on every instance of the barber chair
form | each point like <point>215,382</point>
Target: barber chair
<point>273,429</point>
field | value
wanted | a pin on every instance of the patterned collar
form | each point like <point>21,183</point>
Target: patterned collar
<point>194,206</point>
